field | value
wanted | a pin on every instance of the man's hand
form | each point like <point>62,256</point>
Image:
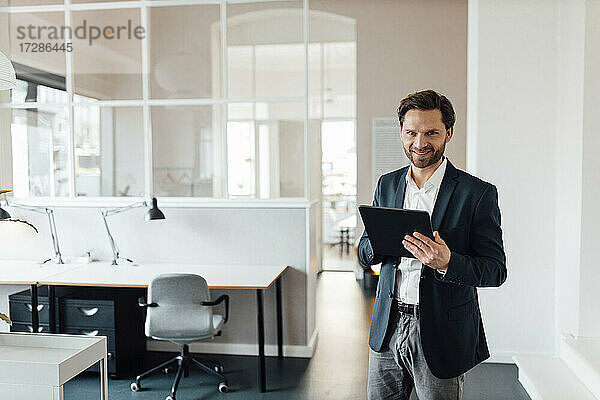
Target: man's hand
<point>434,254</point>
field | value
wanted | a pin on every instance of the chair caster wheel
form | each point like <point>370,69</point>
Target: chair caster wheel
<point>168,370</point>
<point>219,369</point>
<point>135,387</point>
<point>223,387</point>
<point>169,398</point>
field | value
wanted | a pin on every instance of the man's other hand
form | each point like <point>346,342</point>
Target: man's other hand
<point>434,254</point>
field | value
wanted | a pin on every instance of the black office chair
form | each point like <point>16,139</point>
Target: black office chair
<point>179,310</point>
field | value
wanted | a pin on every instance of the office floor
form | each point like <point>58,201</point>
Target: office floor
<point>336,371</point>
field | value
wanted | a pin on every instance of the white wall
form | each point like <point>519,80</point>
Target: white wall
<point>569,139</point>
<point>534,95</point>
<point>589,323</point>
<point>512,87</point>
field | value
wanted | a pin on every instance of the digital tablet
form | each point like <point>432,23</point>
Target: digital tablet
<point>387,227</point>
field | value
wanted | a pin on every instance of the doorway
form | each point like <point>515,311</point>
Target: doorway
<point>338,142</point>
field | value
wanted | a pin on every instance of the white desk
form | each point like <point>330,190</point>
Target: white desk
<point>19,272</point>
<point>29,272</point>
<point>36,366</point>
<point>258,277</point>
<point>217,276</point>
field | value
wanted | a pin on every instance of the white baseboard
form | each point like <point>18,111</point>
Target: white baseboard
<point>239,349</point>
<point>506,357</point>
<point>581,355</point>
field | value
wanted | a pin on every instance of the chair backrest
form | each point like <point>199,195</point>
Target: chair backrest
<point>179,312</point>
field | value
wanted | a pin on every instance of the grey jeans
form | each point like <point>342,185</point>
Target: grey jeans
<point>401,365</point>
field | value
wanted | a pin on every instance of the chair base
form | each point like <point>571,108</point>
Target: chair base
<point>183,360</point>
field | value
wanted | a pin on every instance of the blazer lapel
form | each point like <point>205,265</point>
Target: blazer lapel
<point>401,188</point>
<point>446,189</point>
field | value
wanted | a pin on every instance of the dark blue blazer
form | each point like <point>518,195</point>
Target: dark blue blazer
<point>467,216</point>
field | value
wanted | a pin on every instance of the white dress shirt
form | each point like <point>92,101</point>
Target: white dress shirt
<point>408,273</point>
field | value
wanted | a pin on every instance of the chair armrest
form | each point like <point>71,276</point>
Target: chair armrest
<point>142,303</point>
<point>221,298</point>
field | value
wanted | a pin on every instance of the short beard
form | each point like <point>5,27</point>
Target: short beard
<point>437,155</point>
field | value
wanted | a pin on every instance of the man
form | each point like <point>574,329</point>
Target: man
<point>426,329</point>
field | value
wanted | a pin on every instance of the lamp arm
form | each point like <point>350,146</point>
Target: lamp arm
<point>23,207</point>
<point>113,245</point>
<point>54,234</point>
<point>113,211</point>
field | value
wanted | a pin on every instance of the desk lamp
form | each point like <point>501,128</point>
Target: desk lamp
<point>5,216</point>
<point>153,214</point>
<point>8,78</point>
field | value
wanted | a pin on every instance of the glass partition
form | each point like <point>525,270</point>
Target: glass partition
<point>185,144</point>
<point>40,140</point>
<point>36,49</point>
<point>265,147</point>
<point>152,99</point>
<point>265,49</point>
<point>107,59</point>
<point>14,3</point>
<point>184,52</point>
<point>108,151</point>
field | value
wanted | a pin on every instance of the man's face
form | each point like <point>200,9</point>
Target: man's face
<point>424,137</point>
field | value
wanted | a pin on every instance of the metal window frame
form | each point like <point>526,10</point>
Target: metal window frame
<point>146,102</point>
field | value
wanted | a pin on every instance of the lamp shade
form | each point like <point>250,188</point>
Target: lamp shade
<point>5,217</point>
<point>8,79</point>
<point>4,214</point>
<point>20,222</point>
<point>154,212</point>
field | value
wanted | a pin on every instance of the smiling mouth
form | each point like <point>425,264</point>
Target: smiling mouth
<point>421,153</point>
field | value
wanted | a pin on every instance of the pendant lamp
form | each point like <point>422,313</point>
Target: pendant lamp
<point>8,79</point>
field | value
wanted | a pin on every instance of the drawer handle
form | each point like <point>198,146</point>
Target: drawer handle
<point>30,328</point>
<point>40,307</point>
<point>89,333</point>
<point>88,312</point>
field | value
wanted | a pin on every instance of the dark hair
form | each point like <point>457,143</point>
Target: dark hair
<point>428,100</point>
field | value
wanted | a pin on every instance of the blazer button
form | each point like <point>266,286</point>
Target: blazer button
<point>391,295</point>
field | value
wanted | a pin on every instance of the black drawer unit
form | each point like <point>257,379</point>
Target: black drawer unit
<point>110,312</point>
<point>94,313</point>
<point>26,327</point>
<point>109,333</point>
<point>19,305</point>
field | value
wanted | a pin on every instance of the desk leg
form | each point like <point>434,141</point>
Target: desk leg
<point>35,322</point>
<point>52,308</point>
<point>261,341</point>
<point>104,378</point>
<point>279,319</point>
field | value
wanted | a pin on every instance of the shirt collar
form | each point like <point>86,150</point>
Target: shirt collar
<point>434,181</point>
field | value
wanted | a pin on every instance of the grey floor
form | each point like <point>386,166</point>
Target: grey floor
<point>337,370</point>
